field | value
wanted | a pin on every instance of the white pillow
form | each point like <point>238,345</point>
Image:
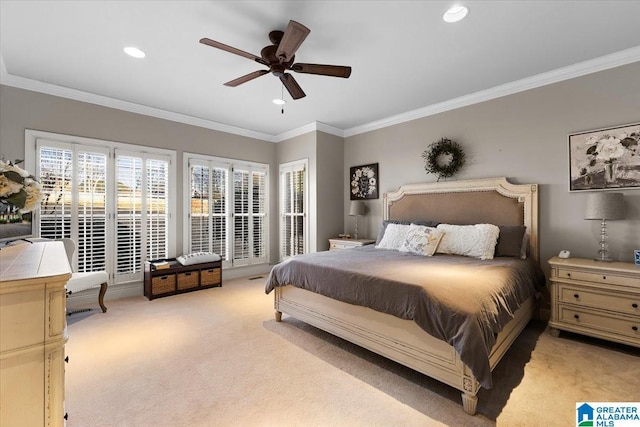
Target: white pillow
<point>477,241</point>
<point>421,240</point>
<point>394,237</point>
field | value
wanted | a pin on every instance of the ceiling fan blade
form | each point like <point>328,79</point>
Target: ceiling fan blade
<point>324,70</point>
<point>246,78</point>
<point>293,37</point>
<point>292,86</point>
<point>230,49</point>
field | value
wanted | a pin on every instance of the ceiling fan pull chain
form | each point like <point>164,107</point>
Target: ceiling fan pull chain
<point>282,97</point>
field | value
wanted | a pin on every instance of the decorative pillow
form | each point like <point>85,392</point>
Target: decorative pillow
<point>394,237</point>
<point>386,222</point>
<point>421,240</point>
<point>510,240</point>
<point>477,241</point>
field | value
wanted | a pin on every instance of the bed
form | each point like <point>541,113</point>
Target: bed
<point>427,325</point>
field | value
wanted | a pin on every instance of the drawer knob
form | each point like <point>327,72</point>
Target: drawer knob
<point>576,296</point>
<point>634,305</point>
<point>604,277</point>
<point>575,316</point>
<point>568,274</point>
<point>635,328</point>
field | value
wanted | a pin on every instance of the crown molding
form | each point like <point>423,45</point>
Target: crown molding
<point>92,98</point>
<point>576,70</point>
<point>311,127</point>
<point>579,69</point>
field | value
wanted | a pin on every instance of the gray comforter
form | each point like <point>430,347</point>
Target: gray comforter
<point>463,301</point>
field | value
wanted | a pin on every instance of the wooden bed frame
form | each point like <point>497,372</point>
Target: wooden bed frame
<point>494,201</point>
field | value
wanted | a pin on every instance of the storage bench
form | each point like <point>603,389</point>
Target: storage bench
<point>178,278</point>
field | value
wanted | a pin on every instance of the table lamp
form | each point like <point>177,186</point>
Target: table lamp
<point>356,209</point>
<point>604,206</point>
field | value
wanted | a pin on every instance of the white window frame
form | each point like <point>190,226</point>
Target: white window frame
<point>32,140</point>
<point>228,164</point>
<point>296,165</point>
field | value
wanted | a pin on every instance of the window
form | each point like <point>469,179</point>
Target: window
<point>228,209</point>
<point>112,199</point>
<point>142,210</point>
<point>293,202</point>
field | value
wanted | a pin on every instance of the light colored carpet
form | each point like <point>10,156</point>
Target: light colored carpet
<point>218,358</point>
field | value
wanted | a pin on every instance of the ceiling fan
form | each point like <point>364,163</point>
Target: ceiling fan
<point>279,57</point>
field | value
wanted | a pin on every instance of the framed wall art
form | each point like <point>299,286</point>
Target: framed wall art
<point>605,159</point>
<point>364,182</point>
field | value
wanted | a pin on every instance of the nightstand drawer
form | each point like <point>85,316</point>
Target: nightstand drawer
<point>591,320</point>
<point>600,278</point>
<point>622,303</point>
<point>340,245</point>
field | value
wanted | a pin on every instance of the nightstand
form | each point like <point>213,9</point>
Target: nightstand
<point>596,298</point>
<point>340,244</point>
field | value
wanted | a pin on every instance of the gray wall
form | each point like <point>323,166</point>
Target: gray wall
<point>523,137</point>
<point>21,109</point>
<point>330,152</point>
<point>325,154</point>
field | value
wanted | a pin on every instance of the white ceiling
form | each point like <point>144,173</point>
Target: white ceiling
<point>404,57</point>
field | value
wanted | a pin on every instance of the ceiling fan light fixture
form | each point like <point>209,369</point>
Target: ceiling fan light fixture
<point>134,52</point>
<point>455,13</point>
<point>279,101</point>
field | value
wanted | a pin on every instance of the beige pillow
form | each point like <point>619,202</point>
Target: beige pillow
<point>421,240</point>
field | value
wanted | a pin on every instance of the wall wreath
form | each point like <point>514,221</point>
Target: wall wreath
<point>435,163</point>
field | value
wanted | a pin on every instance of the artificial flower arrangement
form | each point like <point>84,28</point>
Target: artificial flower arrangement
<point>18,187</point>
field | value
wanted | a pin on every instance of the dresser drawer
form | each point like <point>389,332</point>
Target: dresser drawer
<point>597,321</point>
<point>601,278</point>
<point>622,303</point>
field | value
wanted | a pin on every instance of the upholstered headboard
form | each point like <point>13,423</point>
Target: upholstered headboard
<point>492,201</point>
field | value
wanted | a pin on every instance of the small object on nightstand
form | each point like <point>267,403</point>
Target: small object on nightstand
<point>636,254</point>
<point>344,236</point>
<point>564,254</point>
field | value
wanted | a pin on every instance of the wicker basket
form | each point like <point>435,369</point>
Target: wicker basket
<point>187,280</point>
<point>163,284</point>
<point>210,276</point>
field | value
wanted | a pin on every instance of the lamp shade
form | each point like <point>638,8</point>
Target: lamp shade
<point>604,206</point>
<point>357,208</point>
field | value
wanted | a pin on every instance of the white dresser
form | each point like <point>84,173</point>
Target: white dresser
<point>596,298</point>
<point>32,334</point>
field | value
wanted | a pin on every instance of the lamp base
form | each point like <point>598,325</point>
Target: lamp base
<point>604,260</point>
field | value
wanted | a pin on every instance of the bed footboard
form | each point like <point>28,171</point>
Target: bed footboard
<point>397,339</point>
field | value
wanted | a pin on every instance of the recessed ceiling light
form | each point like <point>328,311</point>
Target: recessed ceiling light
<point>134,52</point>
<point>279,101</point>
<point>455,14</point>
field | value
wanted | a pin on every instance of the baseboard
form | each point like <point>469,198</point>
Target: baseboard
<point>89,297</point>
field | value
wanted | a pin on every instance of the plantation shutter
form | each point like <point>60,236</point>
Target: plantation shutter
<point>55,172</point>
<point>208,207</point>
<point>241,203</point>
<point>259,216</point>
<point>292,209</point>
<point>92,211</point>
<point>74,180</point>
<point>142,213</point>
